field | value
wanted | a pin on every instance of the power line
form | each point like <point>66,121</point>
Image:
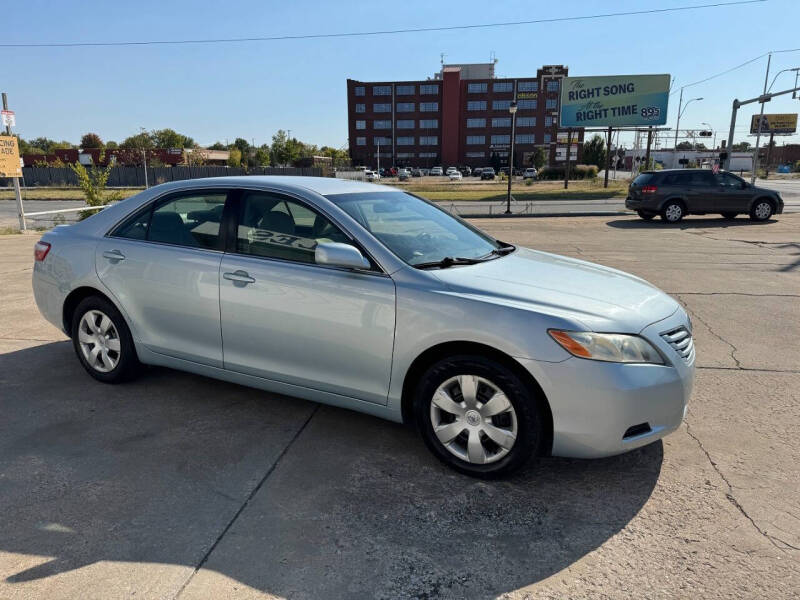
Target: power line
<point>375,33</point>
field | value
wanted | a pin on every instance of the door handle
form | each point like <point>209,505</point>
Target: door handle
<point>239,277</point>
<point>113,255</point>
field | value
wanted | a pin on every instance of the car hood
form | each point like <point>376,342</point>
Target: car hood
<point>600,298</point>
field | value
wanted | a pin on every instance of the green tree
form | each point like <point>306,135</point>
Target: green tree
<point>91,140</point>
<point>235,158</point>
<point>262,156</point>
<point>538,158</point>
<point>217,146</point>
<point>93,184</point>
<point>169,138</point>
<point>139,141</point>
<point>684,146</point>
<point>111,145</point>
<point>279,151</point>
<point>741,147</point>
<point>594,152</point>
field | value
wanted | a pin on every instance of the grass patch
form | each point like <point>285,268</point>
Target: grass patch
<point>540,190</point>
<point>49,193</point>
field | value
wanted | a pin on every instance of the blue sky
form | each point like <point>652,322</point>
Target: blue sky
<point>221,91</point>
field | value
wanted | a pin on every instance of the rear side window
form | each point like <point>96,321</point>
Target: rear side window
<point>643,179</point>
<point>190,220</point>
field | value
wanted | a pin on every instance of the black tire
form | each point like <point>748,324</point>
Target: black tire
<point>646,215</point>
<point>526,408</point>
<point>673,211</point>
<point>729,215</point>
<point>762,210</point>
<point>127,363</point>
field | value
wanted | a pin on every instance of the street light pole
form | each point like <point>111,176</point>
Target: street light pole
<point>678,124</point>
<point>512,108</point>
<point>760,121</point>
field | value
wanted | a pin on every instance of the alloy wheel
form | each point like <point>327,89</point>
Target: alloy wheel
<point>763,211</point>
<point>674,212</point>
<point>99,341</point>
<point>473,419</point>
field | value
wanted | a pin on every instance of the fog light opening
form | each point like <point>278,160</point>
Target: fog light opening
<point>635,430</point>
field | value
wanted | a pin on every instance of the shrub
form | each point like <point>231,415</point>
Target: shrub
<point>575,172</point>
<point>93,184</point>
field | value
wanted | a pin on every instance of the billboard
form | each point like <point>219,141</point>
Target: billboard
<point>783,124</point>
<point>614,100</point>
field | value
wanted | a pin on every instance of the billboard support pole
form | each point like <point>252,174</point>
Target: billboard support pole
<point>566,170</point>
<point>758,135</point>
<point>647,152</point>
<point>17,193</point>
<point>608,157</point>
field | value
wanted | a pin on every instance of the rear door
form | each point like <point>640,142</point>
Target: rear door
<point>162,265</point>
<point>702,191</point>
<point>288,319</point>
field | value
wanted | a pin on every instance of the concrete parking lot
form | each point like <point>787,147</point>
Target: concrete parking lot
<point>177,486</point>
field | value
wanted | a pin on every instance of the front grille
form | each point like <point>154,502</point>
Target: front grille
<point>681,341</point>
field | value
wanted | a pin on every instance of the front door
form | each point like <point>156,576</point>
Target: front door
<point>162,266</point>
<point>732,194</point>
<point>287,319</point>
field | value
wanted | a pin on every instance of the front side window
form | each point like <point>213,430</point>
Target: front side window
<point>276,227</point>
<point>412,228</point>
<point>190,219</point>
<point>729,181</point>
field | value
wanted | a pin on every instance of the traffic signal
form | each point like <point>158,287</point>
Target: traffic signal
<point>705,134</point>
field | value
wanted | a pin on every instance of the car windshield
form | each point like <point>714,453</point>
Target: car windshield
<point>415,230</point>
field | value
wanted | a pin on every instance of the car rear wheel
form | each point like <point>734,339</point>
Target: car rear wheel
<point>646,215</point>
<point>477,416</point>
<point>761,211</point>
<point>672,212</point>
<point>103,342</point>
<point>729,215</point>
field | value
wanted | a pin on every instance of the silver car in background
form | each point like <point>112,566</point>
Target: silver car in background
<point>369,298</point>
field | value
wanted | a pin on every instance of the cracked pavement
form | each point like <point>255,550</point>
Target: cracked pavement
<point>177,486</point>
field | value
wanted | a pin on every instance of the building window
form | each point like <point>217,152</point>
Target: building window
<point>548,121</point>
<point>405,155</point>
<point>405,107</point>
<point>526,121</point>
<point>501,122</point>
<point>552,86</point>
<point>359,90</point>
<point>503,86</point>
<point>382,124</point>
<point>476,105</point>
<point>547,138</point>
<point>476,88</point>
<point>381,108</point>
<point>428,140</point>
<point>501,104</point>
<point>501,139</point>
<point>405,123</point>
<point>428,106</point>
<point>361,124</point>
<point>427,89</point>
<point>474,140</point>
<point>476,154</point>
<point>382,140</point>
<point>405,140</point>
<point>527,104</point>
<point>551,103</point>
<point>360,108</point>
<point>361,141</point>
<point>525,138</point>
<point>428,155</point>
<point>476,122</point>
<point>405,90</point>
<point>429,123</point>
<point>381,90</point>
<point>528,86</point>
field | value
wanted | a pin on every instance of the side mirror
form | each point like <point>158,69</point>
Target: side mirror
<point>335,254</point>
<point>744,185</point>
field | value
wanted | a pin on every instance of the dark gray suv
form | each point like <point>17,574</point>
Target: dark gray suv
<point>675,193</point>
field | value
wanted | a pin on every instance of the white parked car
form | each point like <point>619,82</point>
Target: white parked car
<point>530,173</point>
<point>437,171</point>
<point>455,175</point>
<point>450,170</point>
<point>372,175</point>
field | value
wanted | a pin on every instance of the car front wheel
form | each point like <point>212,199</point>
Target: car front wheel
<point>761,211</point>
<point>103,342</point>
<point>477,416</point>
<point>672,212</point>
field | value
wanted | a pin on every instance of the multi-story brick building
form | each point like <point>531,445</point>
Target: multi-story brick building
<point>457,119</point>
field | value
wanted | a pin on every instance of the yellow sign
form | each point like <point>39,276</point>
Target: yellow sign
<point>781,124</point>
<point>9,157</point>
<point>526,95</point>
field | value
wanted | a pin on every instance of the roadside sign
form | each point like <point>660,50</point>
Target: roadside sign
<point>9,118</point>
<point>9,157</point>
<point>614,100</point>
<point>780,124</point>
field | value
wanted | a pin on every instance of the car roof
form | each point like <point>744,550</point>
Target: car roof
<point>320,185</point>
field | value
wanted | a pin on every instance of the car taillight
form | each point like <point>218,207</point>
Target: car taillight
<point>40,251</point>
<point>649,189</point>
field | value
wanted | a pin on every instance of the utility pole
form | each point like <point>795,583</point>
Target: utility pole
<point>608,158</point>
<point>569,146</point>
<point>144,162</point>
<point>769,152</point>
<point>647,152</point>
<point>677,125</point>
<point>760,120</point>
<point>17,193</point>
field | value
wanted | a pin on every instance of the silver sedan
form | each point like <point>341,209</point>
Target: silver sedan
<point>370,298</point>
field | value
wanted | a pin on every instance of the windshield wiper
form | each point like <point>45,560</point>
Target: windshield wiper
<point>448,261</point>
<point>504,250</point>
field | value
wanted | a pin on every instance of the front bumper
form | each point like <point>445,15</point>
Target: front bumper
<point>595,403</point>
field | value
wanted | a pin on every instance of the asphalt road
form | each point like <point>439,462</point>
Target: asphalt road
<point>178,486</point>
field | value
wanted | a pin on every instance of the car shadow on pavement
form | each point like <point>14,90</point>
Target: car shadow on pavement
<point>164,469</point>
<point>688,223</point>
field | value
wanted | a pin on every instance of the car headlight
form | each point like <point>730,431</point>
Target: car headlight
<point>608,347</point>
